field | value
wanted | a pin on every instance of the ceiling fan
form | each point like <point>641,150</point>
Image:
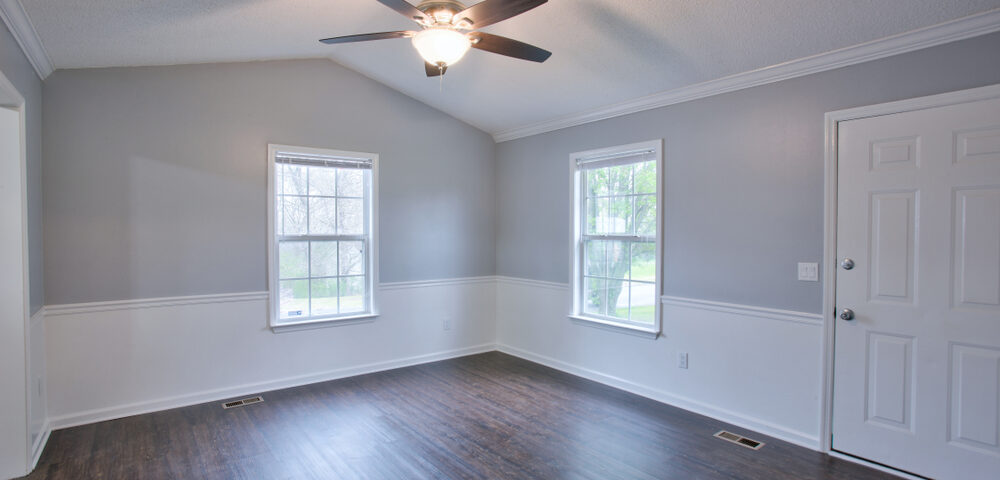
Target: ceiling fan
<point>448,30</point>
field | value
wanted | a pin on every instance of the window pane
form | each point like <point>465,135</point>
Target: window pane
<point>618,299</point>
<point>644,261</point>
<point>350,183</point>
<point>597,181</point>
<point>595,262</point>
<point>645,215</point>
<point>279,218</point>
<point>293,300</point>
<point>321,216</point>
<point>619,256</point>
<point>350,216</point>
<point>323,181</point>
<point>352,259</point>
<point>293,179</point>
<point>645,177</point>
<point>352,294</point>
<point>324,296</point>
<point>643,302</point>
<point>293,260</point>
<point>620,179</point>
<point>620,221</point>
<point>324,259</point>
<point>294,215</point>
<point>595,295</point>
<point>597,216</point>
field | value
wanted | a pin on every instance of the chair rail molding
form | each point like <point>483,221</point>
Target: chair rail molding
<point>815,319</point>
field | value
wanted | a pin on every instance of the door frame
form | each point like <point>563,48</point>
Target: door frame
<point>11,98</point>
<point>831,122</point>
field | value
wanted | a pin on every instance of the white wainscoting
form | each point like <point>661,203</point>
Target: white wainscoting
<point>754,367</point>
<point>114,359</point>
<point>38,426</point>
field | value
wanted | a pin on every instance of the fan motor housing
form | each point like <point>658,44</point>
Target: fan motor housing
<point>431,6</point>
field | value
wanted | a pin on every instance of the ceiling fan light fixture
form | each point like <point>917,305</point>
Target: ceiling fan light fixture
<point>441,46</point>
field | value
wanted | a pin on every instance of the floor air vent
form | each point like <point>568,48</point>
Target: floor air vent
<point>744,441</point>
<point>245,401</point>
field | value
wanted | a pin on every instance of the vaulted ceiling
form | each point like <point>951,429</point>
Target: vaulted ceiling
<point>604,51</point>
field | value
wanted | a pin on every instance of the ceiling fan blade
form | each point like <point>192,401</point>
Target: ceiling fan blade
<point>493,11</point>
<point>364,37</point>
<point>508,47</point>
<point>433,70</point>
<point>405,9</point>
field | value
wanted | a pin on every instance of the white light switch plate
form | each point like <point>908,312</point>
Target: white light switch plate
<point>809,272</point>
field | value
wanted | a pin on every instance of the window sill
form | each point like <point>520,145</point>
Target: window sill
<point>638,331</point>
<point>323,323</point>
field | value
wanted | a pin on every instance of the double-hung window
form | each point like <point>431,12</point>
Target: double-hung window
<point>322,264</point>
<point>616,237</point>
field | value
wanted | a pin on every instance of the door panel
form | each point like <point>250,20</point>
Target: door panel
<point>890,380</point>
<point>917,372</point>
<point>975,394</point>
<point>977,247</point>
<point>893,226</point>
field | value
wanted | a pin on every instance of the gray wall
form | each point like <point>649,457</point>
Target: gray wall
<point>18,70</point>
<point>155,178</point>
<point>743,176</point>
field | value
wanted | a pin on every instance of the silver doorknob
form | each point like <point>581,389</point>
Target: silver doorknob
<point>847,264</point>
<point>847,314</point>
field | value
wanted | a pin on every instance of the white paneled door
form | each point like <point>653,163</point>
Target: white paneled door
<point>917,368</point>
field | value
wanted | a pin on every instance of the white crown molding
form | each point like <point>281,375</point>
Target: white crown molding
<point>959,29</point>
<point>24,32</point>
<point>814,319</point>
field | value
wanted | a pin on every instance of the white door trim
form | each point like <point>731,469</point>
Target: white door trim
<point>831,120</point>
<point>11,98</point>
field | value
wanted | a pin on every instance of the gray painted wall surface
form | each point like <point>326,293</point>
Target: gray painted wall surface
<point>18,70</point>
<point>743,176</point>
<point>156,177</point>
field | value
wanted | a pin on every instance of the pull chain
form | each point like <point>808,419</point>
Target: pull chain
<point>440,79</point>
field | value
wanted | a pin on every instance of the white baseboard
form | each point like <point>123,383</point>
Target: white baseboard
<point>120,411</point>
<point>39,446</point>
<point>798,438</point>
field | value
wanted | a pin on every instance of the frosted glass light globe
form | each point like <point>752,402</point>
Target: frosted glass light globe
<point>441,45</point>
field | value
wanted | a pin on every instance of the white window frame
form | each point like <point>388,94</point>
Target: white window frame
<point>274,319</point>
<point>577,221</point>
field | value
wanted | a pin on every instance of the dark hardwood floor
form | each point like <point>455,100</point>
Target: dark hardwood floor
<point>482,416</point>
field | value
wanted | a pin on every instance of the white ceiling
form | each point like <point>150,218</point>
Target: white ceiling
<point>604,51</point>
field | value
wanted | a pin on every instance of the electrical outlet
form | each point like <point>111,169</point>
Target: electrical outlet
<point>809,272</point>
<point>447,324</point>
<point>682,360</point>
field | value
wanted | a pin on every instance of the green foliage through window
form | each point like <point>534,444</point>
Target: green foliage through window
<point>619,239</point>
